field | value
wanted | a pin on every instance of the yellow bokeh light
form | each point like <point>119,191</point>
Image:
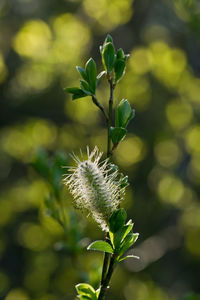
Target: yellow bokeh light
<point>33,236</point>
<point>189,87</point>
<point>82,110</point>
<point>21,141</point>
<point>179,114</point>
<point>109,14</point>
<point>175,60</point>
<point>167,153</point>
<point>71,139</point>
<point>17,294</point>
<point>140,95</point>
<point>192,241</point>
<point>141,61</point>
<point>71,38</point>
<point>130,151</point>
<point>171,189</point>
<point>190,217</point>
<point>32,78</point>
<point>33,40</point>
<point>169,64</point>
<point>193,139</point>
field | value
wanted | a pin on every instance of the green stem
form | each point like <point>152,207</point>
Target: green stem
<point>96,102</point>
<point>104,286</point>
<point>105,267</point>
<point>109,121</point>
<point>108,262</point>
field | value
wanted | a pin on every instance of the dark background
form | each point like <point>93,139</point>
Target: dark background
<point>41,42</point>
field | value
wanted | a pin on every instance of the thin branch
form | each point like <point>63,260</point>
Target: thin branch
<point>108,262</point>
<point>96,102</point>
<point>109,123</point>
<point>104,286</point>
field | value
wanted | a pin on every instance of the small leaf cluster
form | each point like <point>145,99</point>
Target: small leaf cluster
<point>113,61</point>
<point>121,236</point>
<point>123,115</point>
<point>88,81</point>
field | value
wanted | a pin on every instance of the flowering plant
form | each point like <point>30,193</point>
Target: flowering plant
<point>97,186</point>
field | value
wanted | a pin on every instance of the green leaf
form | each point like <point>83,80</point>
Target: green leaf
<point>123,114</point>
<point>120,235</point>
<point>86,290</point>
<point>74,97</point>
<point>108,39</point>
<point>117,134</point>
<point>108,57</point>
<point>76,92</point>
<point>119,68</point>
<point>129,256</point>
<point>91,72</point>
<point>130,239</point>
<point>120,54</point>
<point>82,73</point>
<point>101,74</point>
<point>117,220</point>
<point>85,87</point>
<point>100,246</point>
<point>72,90</point>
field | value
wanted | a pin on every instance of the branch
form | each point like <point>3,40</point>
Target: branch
<point>96,102</point>
<point>109,123</point>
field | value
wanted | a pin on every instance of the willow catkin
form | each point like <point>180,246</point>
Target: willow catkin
<point>95,188</point>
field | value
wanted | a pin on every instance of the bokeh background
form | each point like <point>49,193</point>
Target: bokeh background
<point>41,42</point>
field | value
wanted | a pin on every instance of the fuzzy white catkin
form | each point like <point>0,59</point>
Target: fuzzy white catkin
<point>95,189</point>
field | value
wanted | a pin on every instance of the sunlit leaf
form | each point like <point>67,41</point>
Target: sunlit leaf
<point>129,256</point>
<point>124,113</point>
<point>85,289</point>
<point>100,246</point>
<point>91,72</point>
<point>108,56</point>
<point>130,239</point>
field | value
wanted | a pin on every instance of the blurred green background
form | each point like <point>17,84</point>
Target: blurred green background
<point>41,42</point>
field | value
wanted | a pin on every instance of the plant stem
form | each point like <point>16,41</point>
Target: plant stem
<point>105,284</point>
<point>107,271</point>
<point>105,267</point>
<point>109,122</point>
<point>96,102</point>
